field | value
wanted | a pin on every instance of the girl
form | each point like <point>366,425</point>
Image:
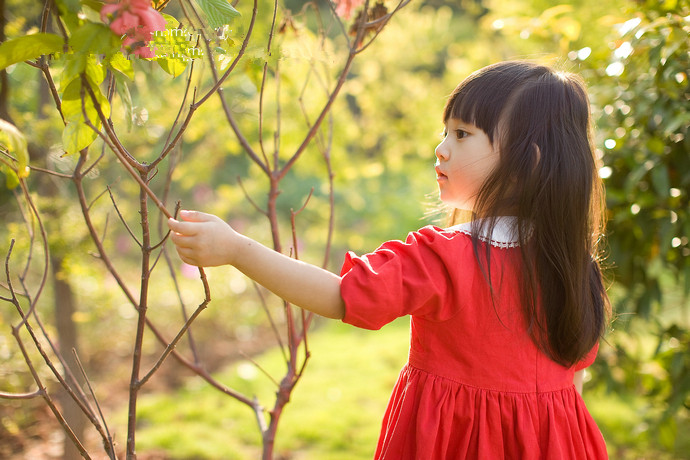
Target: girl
<point>506,310</point>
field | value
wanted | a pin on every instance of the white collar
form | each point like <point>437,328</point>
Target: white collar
<point>504,234</point>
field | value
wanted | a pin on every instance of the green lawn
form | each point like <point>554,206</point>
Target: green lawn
<point>336,409</point>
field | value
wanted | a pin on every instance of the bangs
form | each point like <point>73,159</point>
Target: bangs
<point>482,97</point>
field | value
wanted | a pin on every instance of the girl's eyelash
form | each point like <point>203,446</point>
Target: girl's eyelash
<point>459,133</point>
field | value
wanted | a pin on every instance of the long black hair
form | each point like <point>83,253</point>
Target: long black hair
<point>547,176</point>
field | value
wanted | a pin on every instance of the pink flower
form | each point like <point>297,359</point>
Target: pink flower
<point>135,19</point>
<point>343,8</point>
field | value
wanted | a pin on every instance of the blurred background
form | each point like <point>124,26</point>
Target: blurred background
<point>634,56</point>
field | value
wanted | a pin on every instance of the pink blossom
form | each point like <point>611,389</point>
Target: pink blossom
<point>135,19</point>
<point>343,8</point>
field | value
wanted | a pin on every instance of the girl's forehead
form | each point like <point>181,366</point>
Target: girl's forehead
<point>458,122</point>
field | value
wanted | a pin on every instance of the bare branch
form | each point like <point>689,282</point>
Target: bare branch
<point>240,53</point>
<point>188,323</point>
<point>110,445</point>
<point>264,305</point>
<point>98,197</point>
<point>46,252</point>
<point>258,366</point>
<point>378,24</point>
<point>322,115</point>
<point>46,397</point>
<point>52,173</point>
<point>96,161</point>
<point>249,198</point>
<point>169,146</point>
<point>32,395</point>
<point>130,169</point>
<point>122,218</point>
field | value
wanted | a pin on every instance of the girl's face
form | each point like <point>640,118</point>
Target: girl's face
<point>464,159</point>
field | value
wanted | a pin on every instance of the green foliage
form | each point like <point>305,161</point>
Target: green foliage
<point>384,132</point>
<point>642,93</point>
<point>13,142</point>
<point>28,47</point>
<point>646,125</point>
<point>218,12</point>
<point>78,108</point>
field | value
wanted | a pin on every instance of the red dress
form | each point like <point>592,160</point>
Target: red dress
<point>475,385</point>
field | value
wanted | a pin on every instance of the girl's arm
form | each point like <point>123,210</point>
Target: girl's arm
<point>578,380</point>
<point>205,240</point>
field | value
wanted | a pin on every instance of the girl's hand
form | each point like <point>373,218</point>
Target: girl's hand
<point>203,239</point>
<point>206,241</point>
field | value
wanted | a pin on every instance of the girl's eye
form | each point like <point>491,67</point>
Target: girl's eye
<point>460,134</point>
<point>443,134</point>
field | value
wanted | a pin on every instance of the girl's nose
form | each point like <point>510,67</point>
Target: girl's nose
<point>441,153</point>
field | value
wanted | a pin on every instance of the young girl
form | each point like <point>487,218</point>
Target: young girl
<point>506,310</point>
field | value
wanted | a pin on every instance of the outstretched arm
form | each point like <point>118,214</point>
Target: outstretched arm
<point>205,240</point>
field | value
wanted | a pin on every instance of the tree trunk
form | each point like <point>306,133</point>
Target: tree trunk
<point>65,308</point>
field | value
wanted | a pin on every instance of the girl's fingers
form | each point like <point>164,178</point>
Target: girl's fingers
<point>182,241</point>
<point>195,216</point>
<point>187,256</point>
<point>184,228</point>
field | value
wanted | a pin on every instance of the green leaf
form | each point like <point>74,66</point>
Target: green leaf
<point>28,47</point>
<point>75,64</point>
<point>171,21</point>
<point>72,6</point>
<point>77,136</point>
<point>93,4</point>
<point>94,38</point>
<point>218,12</point>
<point>72,104</point>
<point>121,64</point>
<point>95,71</point>
<point>11,179</point>
<point>172,66</point>
<point>15,143</point>
<point>125,97</point>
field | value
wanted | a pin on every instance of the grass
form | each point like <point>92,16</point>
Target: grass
<point>336,409</point>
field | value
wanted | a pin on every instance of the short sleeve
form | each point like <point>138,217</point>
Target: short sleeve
<point>414,277</point>
<point>588,358</point>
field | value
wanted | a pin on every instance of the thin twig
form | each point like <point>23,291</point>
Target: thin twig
<point>46,397</point>
<point>168,146</point>
<point>122,218</point>
<point>130,169</point>
<point>41,388</point>
<point>240,53</point>
<point>264,305</point>
<point>258,366</point>
<point>98,197</point>
<point>320,118</point>
<point>32,395</point>
<point>249,198</point>
<point>110,445</point>
<point>96,161</point>
<point>48,171</point>
<point>26,217</point>
<point>46,252</point>
<point>378,24</point>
